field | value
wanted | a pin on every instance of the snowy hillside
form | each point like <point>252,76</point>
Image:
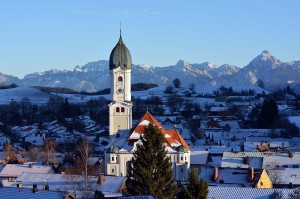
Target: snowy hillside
<point>37,96</point>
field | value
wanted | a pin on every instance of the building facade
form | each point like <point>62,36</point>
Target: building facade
<point>120,108</point>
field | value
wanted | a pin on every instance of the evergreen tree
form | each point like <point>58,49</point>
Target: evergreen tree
<point>150,170</point>
<point>176,83</point>
<point>196,189</point>
<point>268,113</point>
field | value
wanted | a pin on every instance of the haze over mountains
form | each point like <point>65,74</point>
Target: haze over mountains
<point>94,76</point>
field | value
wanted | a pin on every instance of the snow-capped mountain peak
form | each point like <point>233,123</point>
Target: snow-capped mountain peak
<point>265,59</point>
<point>266,55</point>
<point>95,75</point>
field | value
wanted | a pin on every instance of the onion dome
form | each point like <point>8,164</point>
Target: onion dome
<point>120,56</point>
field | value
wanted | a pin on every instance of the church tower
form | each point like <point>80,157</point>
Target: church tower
<point>120,108</point>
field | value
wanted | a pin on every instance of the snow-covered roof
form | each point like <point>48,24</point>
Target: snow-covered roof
<point>251,146</point>
<point>13,192</point>
<point>245,193</point>
<point>286,175</point>
<point>14,170</point>
<point>242,160</point>
<point>199,157</point>
<point>64,182</point>
<point>226,176</point>
<point>219,108</point>
<point>212,149</point>
<point>281,159</point>
<point>242,154</point>
<point>173,138</point>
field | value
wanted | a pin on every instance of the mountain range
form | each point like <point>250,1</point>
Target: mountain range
<point>94,76</point>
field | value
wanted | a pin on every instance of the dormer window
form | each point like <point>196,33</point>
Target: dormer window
<point>120,79</point>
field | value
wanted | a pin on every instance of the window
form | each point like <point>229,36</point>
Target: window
<point>122,109</point>
<point>112,170</point>
<point>11,179</point>
<point>295,166</point>
<point>118,110</point>
<point>112,158</point>
<point>185,158</point>
<point>181,170</point>
<point>120,79</point>
<point>181,158</point>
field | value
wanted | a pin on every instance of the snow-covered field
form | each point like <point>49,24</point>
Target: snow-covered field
<point>40,97</point>
<point>16,94</point>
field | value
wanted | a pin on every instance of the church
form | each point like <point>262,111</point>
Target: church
<point>123,136</point>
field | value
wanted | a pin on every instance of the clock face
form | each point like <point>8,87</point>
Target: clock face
<point>120,90</point>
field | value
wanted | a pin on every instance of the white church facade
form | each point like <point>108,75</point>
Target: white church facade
<point>123,136</point>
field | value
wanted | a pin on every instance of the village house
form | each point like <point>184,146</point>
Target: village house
<point>11,172</point>
<point>236,177</point>
<point>108,186</point>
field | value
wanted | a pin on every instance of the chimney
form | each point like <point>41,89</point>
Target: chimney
<point>290,154</point>
<point>101,178</point>
<point>246,160</point>
<point>19,185</point>
<point>34,188</point>
<point>46,187</point>
<point>251,174</point>
<point>98,194</point>
<point>216,173</point>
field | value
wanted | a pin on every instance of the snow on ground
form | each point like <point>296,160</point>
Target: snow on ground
<point>40,97</point>
<point>295,119</point>
<point>16,94</point>
<point>157,91</point>
<point>78,98</point>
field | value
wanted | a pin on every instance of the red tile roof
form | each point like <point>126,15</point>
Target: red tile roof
<point>213,124</point>
<point>173,138</point>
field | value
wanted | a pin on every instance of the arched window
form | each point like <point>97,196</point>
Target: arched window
<point>120,79</point>
<point>122,109</point>
<point>118,110</point>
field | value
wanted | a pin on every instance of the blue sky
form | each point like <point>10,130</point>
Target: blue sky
<point>42,35</point>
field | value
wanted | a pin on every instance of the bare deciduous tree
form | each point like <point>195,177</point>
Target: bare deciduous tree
<point>275,176</point>
<point>49,147</point>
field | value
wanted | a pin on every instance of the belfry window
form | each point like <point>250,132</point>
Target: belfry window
<point>122,109</point>
<point>120,79</point>
<point>118,110</point>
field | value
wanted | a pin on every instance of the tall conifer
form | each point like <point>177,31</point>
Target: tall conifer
<point>195,189</point>
<point>150,171</point>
